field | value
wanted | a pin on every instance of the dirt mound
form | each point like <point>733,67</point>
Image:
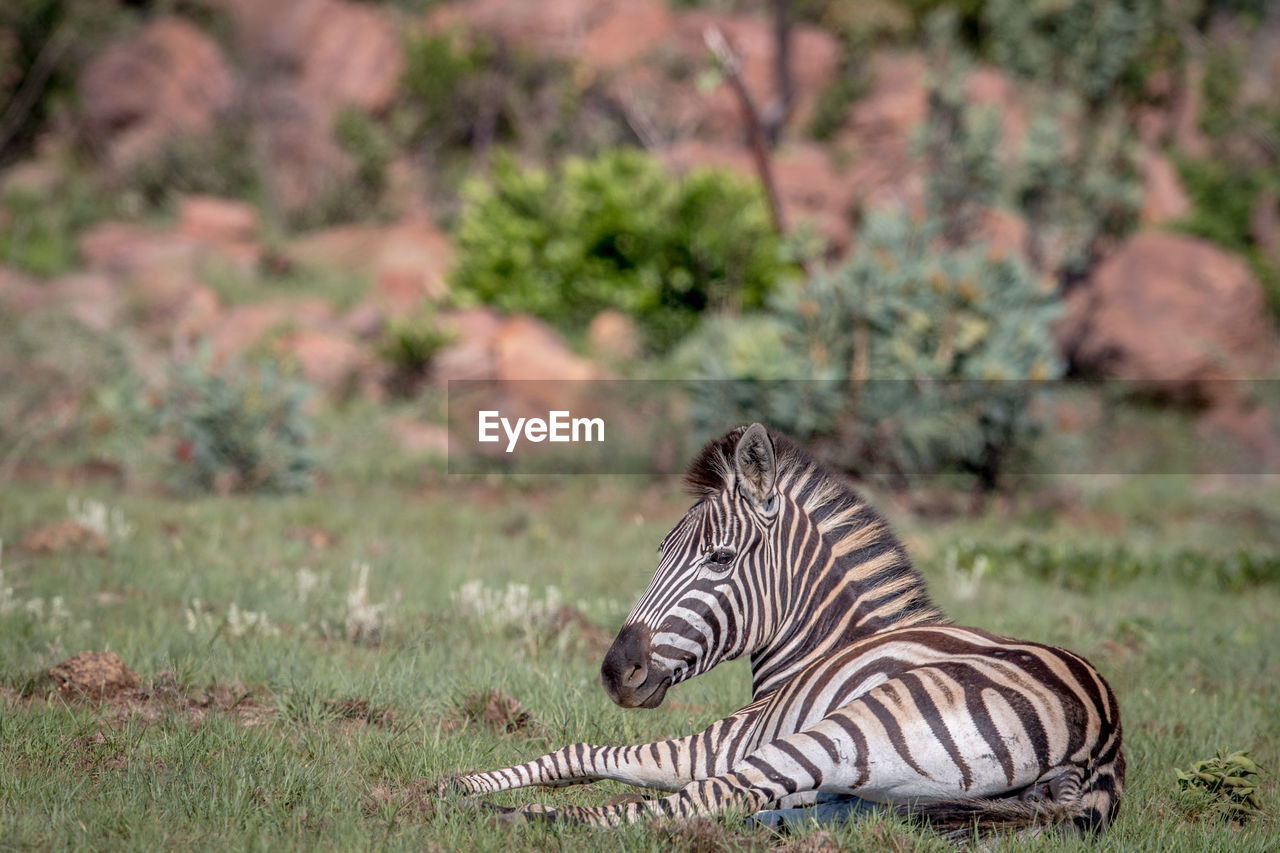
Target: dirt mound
<point>95,674</point>
<point>498,711</point>
<point>63,535</point>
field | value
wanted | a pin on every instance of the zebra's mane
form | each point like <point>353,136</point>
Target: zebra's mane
<point>868,552</point>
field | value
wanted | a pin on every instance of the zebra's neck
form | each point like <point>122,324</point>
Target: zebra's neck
<point>849,577</point>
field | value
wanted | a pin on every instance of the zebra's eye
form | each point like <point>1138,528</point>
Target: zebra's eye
<point>721,557</point>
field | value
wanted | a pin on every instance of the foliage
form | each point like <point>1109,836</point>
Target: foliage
<point>233,429</point>
<point>1075,199</point>
<point>39,223</point>
<point>615,232</point>
<point>43,46</point>
<point>357,193</point>
<point>1227,784</point>
<point>1090,567</point>
<point>465,94</point>
<point>918,354</point>
<point>1223,197</point>
<point>408,344</point>
<point>1088,47</point>
<point>220,163</point>
<point>960,142</point>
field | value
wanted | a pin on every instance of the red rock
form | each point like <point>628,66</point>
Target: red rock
<point>1004,231</point>
<point>93,299</point>
<point>126,249</point>
<point>167,79</point>
<point>411,266</point>
<point>352,56</point>
<point>1163,198</point>
<point>626,32</point>
<point>331,360</point>
<point>243,326</point>
<point>199,316</point>
<point>1173,308</point>
<point>21,293</point>
<point>350,248</point>
<point>470,355</point>
<point>614,336</point>
<point>527,348</point>
<point>421,439</point>
<point>305,162</point>
<point>217,220</point>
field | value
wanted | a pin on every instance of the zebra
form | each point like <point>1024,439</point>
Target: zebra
<point>861,686</point>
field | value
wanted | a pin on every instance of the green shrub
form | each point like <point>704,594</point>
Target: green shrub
<point>236,429</point>
<point>1092,48</point>
<point>219,163</point>
<point>615,232</point>
<point>408,345</point>
<point>915,355</point>
<point>39,226</point>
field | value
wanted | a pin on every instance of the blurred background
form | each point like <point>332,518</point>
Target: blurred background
<point>205,203</point>
<point>229,205</point>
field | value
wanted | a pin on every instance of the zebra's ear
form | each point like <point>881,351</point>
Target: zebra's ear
<point>755,464</point>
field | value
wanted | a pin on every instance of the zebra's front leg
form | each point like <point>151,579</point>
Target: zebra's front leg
<point>787,769</point>
<point>664,766</point>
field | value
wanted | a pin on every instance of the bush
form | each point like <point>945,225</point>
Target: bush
<point>236,430</point>
<point>38,226</point>
<point>408,345</point>
<point>1091,48</point>
<point>615,232</point>
<point>916,356</point>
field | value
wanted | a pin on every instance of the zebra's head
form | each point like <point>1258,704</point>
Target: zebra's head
<point>711,599</point>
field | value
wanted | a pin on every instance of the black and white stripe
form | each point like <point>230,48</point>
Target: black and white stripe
<point>860,684</point>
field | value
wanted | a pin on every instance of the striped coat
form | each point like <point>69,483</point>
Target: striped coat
<point>861,686</point>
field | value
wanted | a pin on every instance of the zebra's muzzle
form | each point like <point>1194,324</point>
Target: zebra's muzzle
<point>627,674</point>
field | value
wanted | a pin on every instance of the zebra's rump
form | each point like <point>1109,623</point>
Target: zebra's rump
<point>958,715</point>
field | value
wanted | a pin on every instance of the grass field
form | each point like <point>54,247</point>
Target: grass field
<point>285,704</point>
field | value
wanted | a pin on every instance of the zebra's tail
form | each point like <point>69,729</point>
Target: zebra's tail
<point>1086,799</point>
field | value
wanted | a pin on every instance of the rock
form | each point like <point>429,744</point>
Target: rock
<point>244,327</point>
<point>1250,429</point>
<point>305,162</point>
<point>125,249</point>
<point>349,248</point>
<point>613,336</point>
<point>419,438</point>
<point>1163,198</point>
<point>217,220</point>
<point>470,355</point>
<point>20,293</point>
<point>330,360</point>
<point>58,536</point>
<point>1004,231</point>
<point>1172,308</point>
<point>351,55</point>
<point>626,32</point>
<point>1264,224</point>
<point>199,316</point>
<point>166,80</point>
<point>527,348</point>
<point>100,675</point>
<point>92,298</point>
<point>411,266</point>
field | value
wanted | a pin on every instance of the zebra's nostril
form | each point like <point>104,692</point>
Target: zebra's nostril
<point>636,676</point>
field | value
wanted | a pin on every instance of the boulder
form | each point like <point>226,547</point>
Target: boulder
<point>330,360</point>
<point>166,80</point>
<point>217,220</point>
<point>527,348</point>
<point>613,336</point>
<point>1172,308</point>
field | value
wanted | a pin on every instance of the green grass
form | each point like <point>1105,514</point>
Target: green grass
<point>1196,666</point>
